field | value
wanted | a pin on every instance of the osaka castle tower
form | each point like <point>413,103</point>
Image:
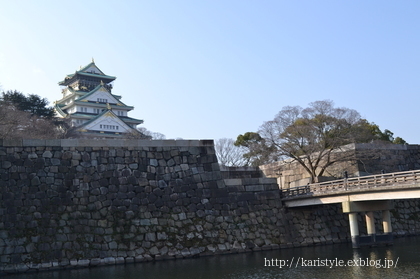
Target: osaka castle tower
<point>92,108</point>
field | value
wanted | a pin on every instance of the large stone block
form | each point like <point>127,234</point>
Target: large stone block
<point>254,188</point>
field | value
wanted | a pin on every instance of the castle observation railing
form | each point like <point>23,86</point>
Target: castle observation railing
<point>353,183</point>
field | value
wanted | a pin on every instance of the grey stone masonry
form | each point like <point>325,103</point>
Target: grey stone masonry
<point>79,203</point>
<point>363,159</point>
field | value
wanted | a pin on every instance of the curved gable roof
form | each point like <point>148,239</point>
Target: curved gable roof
<point>97,88</point>
<point>92,70</point>
<point>104,115</point>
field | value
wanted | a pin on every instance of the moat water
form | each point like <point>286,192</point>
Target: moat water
<point>402,260</point>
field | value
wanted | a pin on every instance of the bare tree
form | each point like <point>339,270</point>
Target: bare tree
<point>311,136</point>
<point>230,155</point>
<point>315,137</point>
<point>10,120</point>
<point>150,134</point>
<point>15,123</point>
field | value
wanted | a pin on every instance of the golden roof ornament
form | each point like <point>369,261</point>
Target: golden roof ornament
<point>108,106</point>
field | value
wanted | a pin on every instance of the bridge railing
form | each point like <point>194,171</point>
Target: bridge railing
<point>294,191</point>
<point>405,177</point>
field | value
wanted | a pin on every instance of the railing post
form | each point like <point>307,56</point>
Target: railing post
<point>383,181</point>
<point>346,175</point>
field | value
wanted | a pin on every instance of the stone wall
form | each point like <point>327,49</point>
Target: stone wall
<point>368,159</point>
<point>77,203</point>
<point>71,203</point>
<point>240,172</point>
<point>388,157</point>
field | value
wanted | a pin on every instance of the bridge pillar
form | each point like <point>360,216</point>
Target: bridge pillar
<point>369,207</point>
<point>386,223</point>
<point>370,225</point>
<point>354,229</point>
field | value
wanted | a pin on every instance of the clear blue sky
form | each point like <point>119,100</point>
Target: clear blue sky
<point>208,69</point>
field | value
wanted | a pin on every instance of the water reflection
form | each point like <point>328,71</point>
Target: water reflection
<point>296,263</point>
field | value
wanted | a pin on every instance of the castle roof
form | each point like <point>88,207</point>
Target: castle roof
<point>88,102</point>
<point>101,87</point>
<point>90,70</point>
<point>110,117</point>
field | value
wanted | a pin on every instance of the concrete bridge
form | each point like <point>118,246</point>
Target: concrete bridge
<point>360,194</point>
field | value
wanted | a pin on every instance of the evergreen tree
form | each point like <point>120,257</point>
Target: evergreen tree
<point>32,103</point>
